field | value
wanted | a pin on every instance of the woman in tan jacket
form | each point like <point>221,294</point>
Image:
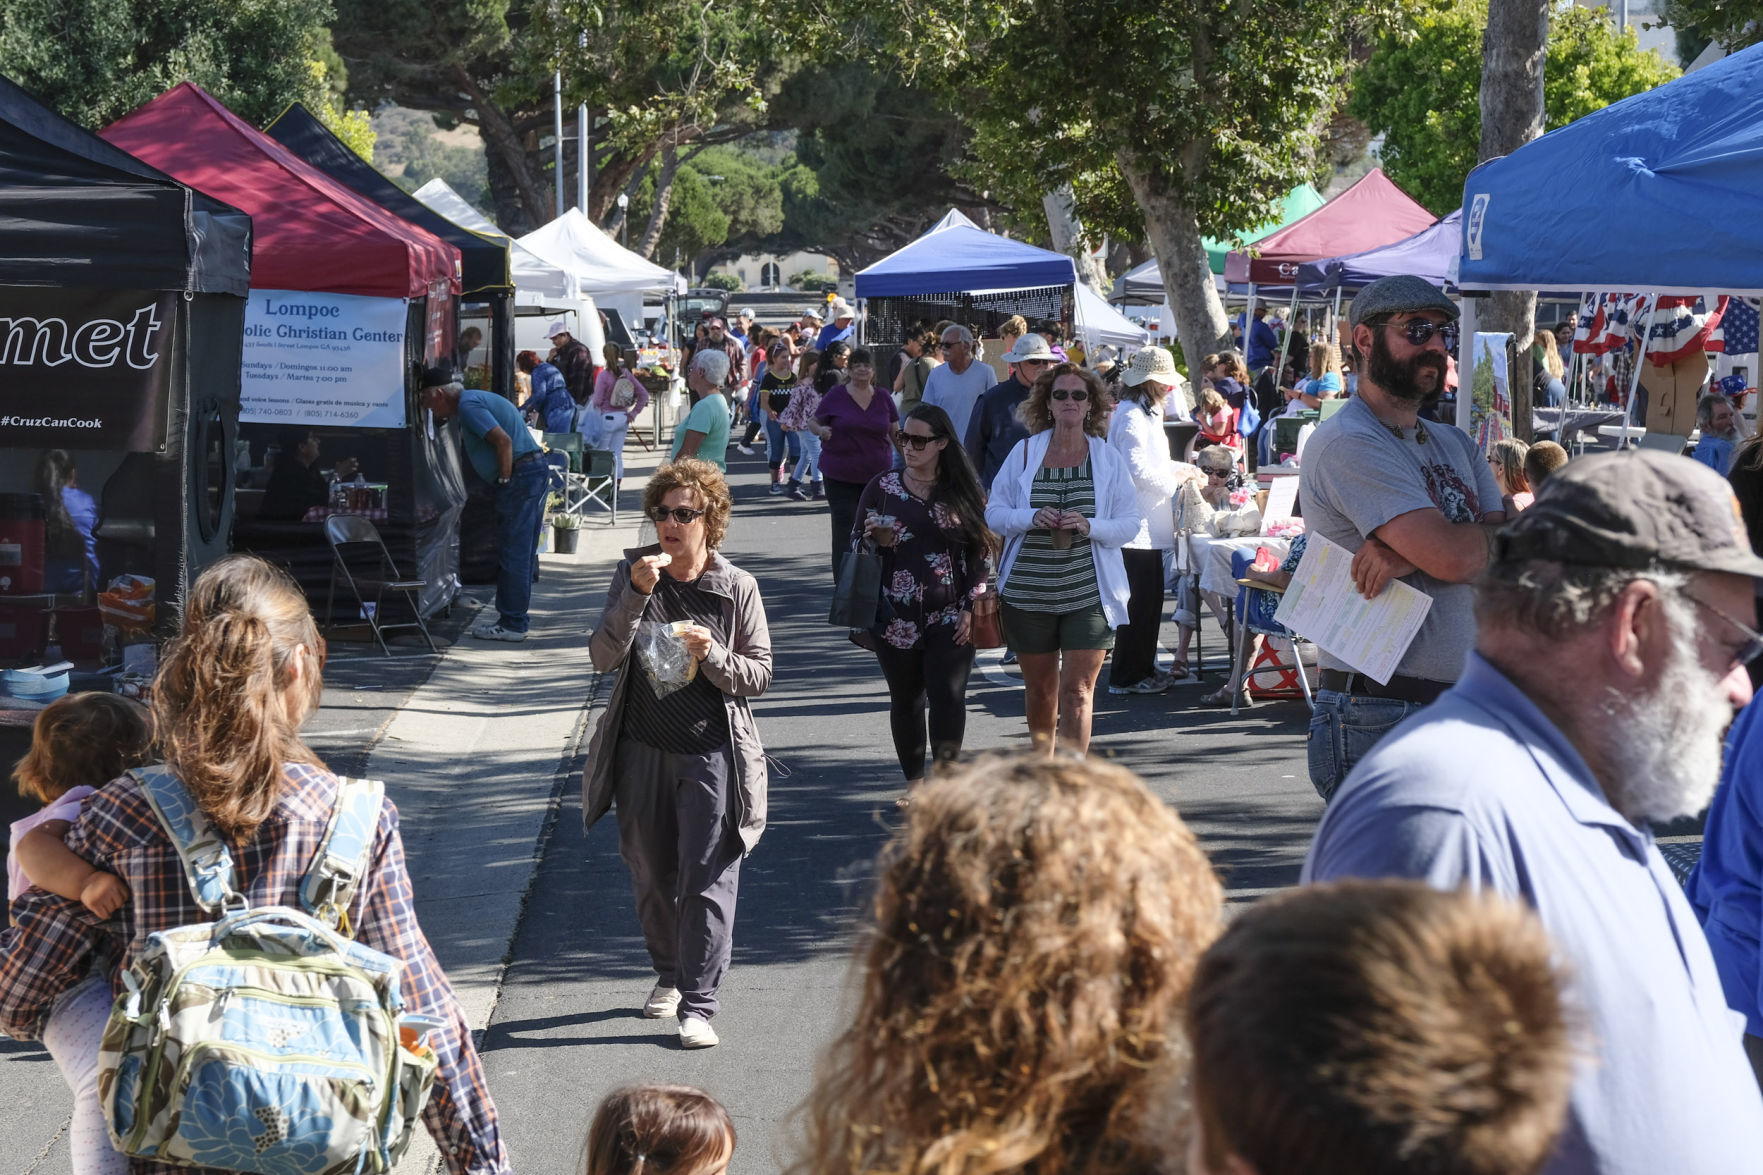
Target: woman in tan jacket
<point>677,748</point>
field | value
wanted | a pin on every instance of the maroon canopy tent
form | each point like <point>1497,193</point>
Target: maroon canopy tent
<point>1372,213</point>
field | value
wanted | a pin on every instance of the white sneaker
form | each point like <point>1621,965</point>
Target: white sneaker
<point>663,1001</point>
<point>495,632</point>
<point>696,1034</point>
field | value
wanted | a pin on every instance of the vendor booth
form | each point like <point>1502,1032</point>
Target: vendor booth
<point>537,282</point>
<point>1652,196</point>
<point>1429,253</point>
<point>605,271</point>
<point>484,261</point>
<point>1099,323</point>
<point>347,302</point>
<point>123,296</point>
<point>959,271</point>
<point>1373,212</point>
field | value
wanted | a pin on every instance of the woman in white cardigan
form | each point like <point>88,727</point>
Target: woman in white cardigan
<point>1064,504</point>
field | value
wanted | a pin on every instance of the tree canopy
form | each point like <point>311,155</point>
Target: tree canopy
<point>1420,89</point>
<point>97,60</point>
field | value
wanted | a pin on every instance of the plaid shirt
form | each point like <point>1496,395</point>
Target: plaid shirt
<point>53,941</point>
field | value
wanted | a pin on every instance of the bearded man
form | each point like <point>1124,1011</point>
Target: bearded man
<point>1413,500</point>
<point>1614,628</point>
<point>1720,432</point>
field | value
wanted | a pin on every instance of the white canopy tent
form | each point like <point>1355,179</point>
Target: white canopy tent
<point>613,276</point>
<point>1099,323</point>
<point>537,282</point>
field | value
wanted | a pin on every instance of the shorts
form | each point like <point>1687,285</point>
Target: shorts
<point>1052,632</point>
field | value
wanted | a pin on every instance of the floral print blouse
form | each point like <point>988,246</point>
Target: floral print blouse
<point>926,578</point>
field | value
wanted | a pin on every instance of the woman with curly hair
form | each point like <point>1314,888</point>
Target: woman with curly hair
<point>1037,924</point>
<point>1064,504</point>
<point>682,759</point>
<point>927,522</point>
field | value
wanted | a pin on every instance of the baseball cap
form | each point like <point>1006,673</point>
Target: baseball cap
<point>1401,294</point>
<point>1637,509</point>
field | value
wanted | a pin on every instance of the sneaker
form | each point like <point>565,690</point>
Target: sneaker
<point>777,488</point>
<point>495,632</point>
<point>1154,684</point>
<point>1009,657</point>
<point>796,492</point>
<point>696,1034</point>
<point>747,449</point>
<point>662,1001</point>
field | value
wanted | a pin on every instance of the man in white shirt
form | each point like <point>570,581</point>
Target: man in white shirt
<point>957,385</point>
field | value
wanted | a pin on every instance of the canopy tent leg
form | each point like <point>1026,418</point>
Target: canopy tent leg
<point>502,345</point>
<point>1466,361</point>
<point>1634,380</point>
<point>1248,318</point>
<point>1285,340</point>
<point>1334,317</point>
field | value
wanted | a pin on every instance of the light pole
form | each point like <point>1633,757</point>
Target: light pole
<point>624,202</point>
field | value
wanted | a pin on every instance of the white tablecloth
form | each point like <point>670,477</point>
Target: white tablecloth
<point>1212,557</point>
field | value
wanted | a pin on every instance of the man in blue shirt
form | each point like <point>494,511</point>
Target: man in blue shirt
<point>1613,631</point>
<point>841,329</point>
<point>993,429</point>
<point>501,449</point>
<point>551,406</point>
<point>1720,434</point>
<point>1263,343</point>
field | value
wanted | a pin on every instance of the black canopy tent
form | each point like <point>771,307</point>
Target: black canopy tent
<point>122,306</point>
<point>485,272</point>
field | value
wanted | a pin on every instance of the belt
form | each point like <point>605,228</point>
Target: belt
<point>530,455</point>
<point>1400,689</point>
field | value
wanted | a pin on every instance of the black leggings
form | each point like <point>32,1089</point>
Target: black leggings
<point>934,673</point>
<point>841,501</point>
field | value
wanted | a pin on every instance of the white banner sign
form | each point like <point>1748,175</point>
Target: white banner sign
<point>323,359</point>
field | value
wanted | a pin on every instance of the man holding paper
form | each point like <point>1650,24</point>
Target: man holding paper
<point>1413,500</point>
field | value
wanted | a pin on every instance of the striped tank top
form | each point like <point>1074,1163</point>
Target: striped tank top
<point>1044,578</point>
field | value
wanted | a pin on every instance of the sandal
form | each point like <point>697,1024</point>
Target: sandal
<point>1219,699</point>
<point>1178,669</point>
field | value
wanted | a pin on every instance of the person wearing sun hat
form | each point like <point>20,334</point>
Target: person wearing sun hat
<point>841,327</point>
<point>993,429</point>
<point>1411,500</point>
<point>1136,433</point>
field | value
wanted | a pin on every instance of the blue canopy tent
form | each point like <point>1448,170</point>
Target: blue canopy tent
<point>958,270</point>
<point>1657,193</point>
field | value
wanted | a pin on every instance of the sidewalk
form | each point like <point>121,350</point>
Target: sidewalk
<point>480,753</point>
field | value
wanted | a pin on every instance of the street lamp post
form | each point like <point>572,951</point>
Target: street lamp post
<point>624,202</point>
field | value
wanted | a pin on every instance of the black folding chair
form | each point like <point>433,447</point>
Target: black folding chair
<point>353,536</point>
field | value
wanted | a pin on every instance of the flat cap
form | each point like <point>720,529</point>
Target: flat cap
<point>1402,294</point>
<point>1638,509</point>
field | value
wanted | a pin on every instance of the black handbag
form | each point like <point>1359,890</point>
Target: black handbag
<point>857,597</point>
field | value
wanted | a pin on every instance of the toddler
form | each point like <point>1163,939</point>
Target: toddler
<point>79,743</point>
<point>660,1130</point>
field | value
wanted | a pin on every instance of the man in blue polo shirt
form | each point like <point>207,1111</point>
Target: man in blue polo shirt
<point>1262,344</point>
<point>502,450</point>
<point>1613,628</point>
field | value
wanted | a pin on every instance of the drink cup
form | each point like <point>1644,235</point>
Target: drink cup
<point>885,536</point>
<point>1062,539</point>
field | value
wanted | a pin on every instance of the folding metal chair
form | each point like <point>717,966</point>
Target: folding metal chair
<point>354,532</point>
<point>568,480</point>
<point>599,481</point>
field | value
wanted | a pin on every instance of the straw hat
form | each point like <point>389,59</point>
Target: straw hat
<point>1029,346</point>
<point>1105,357</point>
<point>839,308</point>
<point>1150,363</point>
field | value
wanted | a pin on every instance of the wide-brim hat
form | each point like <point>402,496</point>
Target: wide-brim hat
<point>1029,346</point>
<point>558,327</point>
<point>839,308</point>
<point>1149,363</point>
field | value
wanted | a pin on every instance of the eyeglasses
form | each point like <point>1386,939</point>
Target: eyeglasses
<point>1217,472</point>
<point>1420,331</point>
<point>912,441</point>
<point>680,514</point>
<point>1080,395</point>
<point>1034,362</point>
<point>1753,646</point>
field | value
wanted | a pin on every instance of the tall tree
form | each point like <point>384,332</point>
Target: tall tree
<point>1421,88</point>
<point>97,60</point>
<point>1181,121</point>
<point>1513,50</point>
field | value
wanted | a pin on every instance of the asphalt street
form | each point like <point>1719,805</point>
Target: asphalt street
<point>566,1030</point>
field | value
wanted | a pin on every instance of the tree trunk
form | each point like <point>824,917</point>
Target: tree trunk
<point>503,142</point>
<point>1200,324</point>
<point>1512,55</point>
<point>1067,233</point>
<point>663,197</point>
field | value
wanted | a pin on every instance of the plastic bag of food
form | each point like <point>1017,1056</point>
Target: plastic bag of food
<point>663,657</point>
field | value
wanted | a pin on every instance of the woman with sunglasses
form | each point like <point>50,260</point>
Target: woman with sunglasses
<point>683,761</point>
<point>1065,505</point>
<point>855,423</point>
<point>927,523</point>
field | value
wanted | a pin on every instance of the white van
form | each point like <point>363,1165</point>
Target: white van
<point>580,315</point>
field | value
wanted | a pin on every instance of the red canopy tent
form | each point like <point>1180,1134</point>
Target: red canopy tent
<point>312,233</point>
<point>1372,213</point>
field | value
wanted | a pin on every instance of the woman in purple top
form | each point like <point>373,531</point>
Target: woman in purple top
<point>855,422</point>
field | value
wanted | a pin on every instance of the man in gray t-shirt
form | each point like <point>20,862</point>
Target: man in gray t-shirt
<point>1413,500</point>
<point>957,385</point>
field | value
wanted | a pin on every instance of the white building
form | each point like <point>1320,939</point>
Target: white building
<point>771,271</point>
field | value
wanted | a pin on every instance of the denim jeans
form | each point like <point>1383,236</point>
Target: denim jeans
<point>808,466</point>
<point>1342,729</point>
<point>520,509</point>
<point>777,441</point>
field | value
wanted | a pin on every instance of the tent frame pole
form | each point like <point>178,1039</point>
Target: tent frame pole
<point>1285,340</point>
<point>557,134</point>
<point>1634,380</point>
<point>1249,318</point>
<point>1466,356</point>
